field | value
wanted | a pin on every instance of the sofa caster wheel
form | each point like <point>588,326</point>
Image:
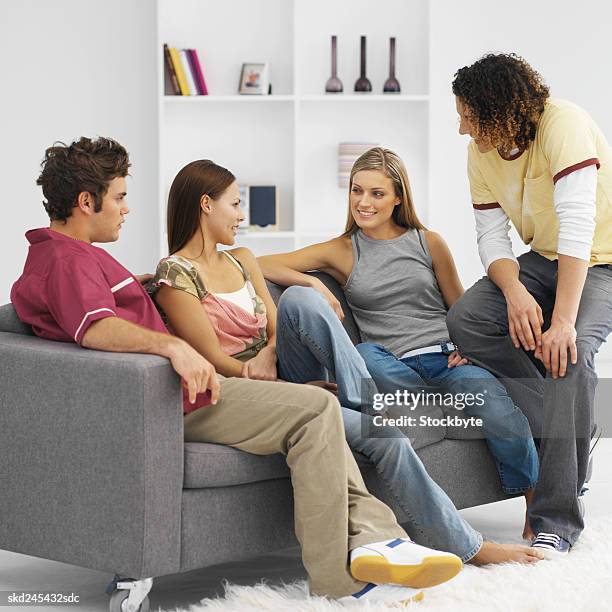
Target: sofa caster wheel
<point>119,603</point>
<point>129,595</point>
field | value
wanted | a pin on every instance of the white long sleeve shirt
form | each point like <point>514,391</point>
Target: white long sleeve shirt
<point>574,202</point>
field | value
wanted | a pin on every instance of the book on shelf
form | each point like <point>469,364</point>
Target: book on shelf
<point>198,72</point>
<point>171,82</point>
<point>196,83</point>
<point>178,68</point>
<point>183,74</point>
<point>188,74</point>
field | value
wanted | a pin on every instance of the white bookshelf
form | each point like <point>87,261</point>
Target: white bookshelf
<point>290,138</point>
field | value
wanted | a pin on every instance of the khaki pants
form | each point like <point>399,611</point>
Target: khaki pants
<point>334,512</point>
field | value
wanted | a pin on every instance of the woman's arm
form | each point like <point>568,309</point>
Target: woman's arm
<point>335,257</point>
<point>444,268</point>
<point>191,323</point>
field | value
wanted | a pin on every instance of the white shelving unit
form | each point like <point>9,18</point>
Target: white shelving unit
<point>290,138</point>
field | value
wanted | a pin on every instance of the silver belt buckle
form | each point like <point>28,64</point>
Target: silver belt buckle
<point>447,347</point>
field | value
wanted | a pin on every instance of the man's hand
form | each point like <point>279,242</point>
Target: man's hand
<point>262,366</point>
<point>455,359</point>
<point>525,318</point>
<point>197,373</point>
<point>332,300</point>
<point>557,340</point>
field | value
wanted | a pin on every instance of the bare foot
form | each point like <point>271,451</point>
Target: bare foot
<point>527,531</point>
<point>505,553</point>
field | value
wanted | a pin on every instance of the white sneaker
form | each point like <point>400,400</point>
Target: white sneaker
<point>401,561</point>
<point>384,593</point>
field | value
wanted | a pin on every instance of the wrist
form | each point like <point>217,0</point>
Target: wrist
<point>511,286</point>
<point>312,281</point>
<point>270,350</point>
<point>170,346</point>
<point>561,318</point>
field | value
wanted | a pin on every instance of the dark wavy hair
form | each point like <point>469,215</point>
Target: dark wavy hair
<point>198,178</point>
<point>504,97</point>
<point>84,165</point>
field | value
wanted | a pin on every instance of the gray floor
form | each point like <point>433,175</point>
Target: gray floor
<point>501,522</point>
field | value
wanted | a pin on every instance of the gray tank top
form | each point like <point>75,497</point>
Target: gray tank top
<point>393,293</point>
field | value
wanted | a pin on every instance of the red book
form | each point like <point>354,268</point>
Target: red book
<point>171,73</point>
<point>197,71</point>
<point>194,73</point>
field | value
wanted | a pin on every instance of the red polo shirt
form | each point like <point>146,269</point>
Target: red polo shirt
<point>67,284</point>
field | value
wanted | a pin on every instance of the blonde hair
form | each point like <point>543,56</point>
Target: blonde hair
<point>393,167</point>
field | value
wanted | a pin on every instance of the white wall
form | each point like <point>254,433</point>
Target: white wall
<point>568,43</point>
<point>72,68</point>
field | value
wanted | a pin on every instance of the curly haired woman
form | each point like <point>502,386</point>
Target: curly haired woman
<point>538,321</point>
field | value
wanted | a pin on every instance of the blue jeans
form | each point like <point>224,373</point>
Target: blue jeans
<point>310,342</point>
<point>505,427</point>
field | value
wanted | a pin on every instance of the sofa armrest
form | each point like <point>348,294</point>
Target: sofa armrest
<point>91,456</point>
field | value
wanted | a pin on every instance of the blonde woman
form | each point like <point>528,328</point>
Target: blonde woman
<point>399,280</point>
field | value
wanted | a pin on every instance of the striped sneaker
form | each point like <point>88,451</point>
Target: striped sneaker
<point>384,594</point>
<point>403,562</point>
<point>551,545</point>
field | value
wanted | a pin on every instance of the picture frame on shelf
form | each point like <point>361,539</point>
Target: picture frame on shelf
<point>263,208</point>
<point>254,79</point>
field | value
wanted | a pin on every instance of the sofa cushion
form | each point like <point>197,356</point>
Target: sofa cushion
<point>10,322</point>
<point>215,465</point>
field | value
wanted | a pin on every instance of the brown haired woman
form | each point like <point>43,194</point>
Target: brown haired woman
<point>543,164</point>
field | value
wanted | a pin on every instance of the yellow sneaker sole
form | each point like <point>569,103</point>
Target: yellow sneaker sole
<point>418,597</point>
<point>430,572</point>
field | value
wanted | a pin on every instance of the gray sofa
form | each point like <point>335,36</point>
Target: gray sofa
<point>94,470</point>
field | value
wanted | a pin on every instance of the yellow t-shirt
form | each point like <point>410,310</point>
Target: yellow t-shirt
<point>567,139</point>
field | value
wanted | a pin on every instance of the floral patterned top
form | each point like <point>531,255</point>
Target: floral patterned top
<point>242,334</point>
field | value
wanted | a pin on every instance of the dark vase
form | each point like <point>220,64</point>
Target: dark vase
<point>391,84</point>
<point>363,84</point>
<point>334,84</point>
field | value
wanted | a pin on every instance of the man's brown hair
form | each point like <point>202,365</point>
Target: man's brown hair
<point>84,165</point>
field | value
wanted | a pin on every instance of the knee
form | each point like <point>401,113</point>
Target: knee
<point>457,318</point>
<point>327,406</point>
<point>298,299</point>
<point>586,357</point>
<point>396,449</point>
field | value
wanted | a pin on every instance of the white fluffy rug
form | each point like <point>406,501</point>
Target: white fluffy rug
<point>580,581</point>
